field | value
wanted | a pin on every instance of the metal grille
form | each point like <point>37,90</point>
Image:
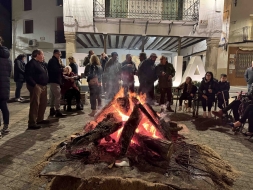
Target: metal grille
<point>187,10</point>
<point>243,61</point>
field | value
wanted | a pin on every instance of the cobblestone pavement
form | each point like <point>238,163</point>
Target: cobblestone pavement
<point>21,150</point>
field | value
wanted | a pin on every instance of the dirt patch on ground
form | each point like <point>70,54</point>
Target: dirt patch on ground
<point>105,183</point>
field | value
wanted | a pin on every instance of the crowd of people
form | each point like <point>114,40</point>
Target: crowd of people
<point>103,76</point>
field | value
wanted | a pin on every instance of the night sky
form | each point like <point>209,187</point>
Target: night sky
<point>6,4</point>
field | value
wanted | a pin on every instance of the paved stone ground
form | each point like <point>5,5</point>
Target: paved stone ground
<point>21,150</point>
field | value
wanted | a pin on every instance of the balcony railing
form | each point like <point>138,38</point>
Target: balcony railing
<point>59,37</point>
<point>186,10</point>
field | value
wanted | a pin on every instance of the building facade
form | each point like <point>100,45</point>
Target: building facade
<point>37,24</point>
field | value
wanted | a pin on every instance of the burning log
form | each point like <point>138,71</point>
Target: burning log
<point>152,111</point>
<point>129,129</point>
<point>162,147</point>
<point>169,128</point>
<point>109,125</point>
<point>123,104</point>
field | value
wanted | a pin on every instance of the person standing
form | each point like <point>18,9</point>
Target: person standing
<point>165,71</point>
<point>19,75</point>
<point>36,82</point>
<point>128,70</point>
<point>147,77</point>
<point>112,76</point>
<point>55,74</point>
<point>5,74</point>
<point>73,65</point>
<point>142,57</point>
<point>95,83</point>
<point>103,61</point>
<point>87,58</point>
<point>248,75</point>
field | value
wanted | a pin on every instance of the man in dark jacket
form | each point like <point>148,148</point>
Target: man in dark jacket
<point>147,77</point>
<point>19,75</point>
<point>223,91</point>
<point>5,73</point>
<point>165,72</point>
<point>87,58</point>
<point>55,74</point>
<point>36,82</point>
<point>128,70</point>
<point>142,58</point>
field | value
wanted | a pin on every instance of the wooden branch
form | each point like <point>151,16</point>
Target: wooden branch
<point>129,130</point>
<point>162,147</point>
<point>124,104</point>
<point>109,125</point>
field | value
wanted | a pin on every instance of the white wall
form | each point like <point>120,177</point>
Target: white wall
<point>212,11</point>
<point>240,17</point>
<point>43,14</point>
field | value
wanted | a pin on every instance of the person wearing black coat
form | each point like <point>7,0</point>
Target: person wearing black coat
<point>36,82</point>
<point>207,90</point>
<point>223,92</point>
<point>5,74</point>
<point>55,74</point>
<point>147,77</point>
<point>19,75</point>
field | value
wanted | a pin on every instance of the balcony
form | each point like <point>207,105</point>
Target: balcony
<point>178,10</point>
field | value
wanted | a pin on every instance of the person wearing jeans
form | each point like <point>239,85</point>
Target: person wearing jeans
<point>5,74</point>
<point>19,75</point>
<point>207,90</point>
<point>55,74</point>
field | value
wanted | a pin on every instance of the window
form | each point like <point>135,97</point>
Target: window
<point>27,5</point>
<point>28,26</point>
<point>59,3</point>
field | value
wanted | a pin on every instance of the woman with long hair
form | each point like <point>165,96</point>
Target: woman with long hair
<point>188,92</point>
<point>73,65</point>
<point>95,83</point>
<point>208,89</point>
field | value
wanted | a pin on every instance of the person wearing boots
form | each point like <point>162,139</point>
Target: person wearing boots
<point>55,74</point>
<point>70,90</point>
<point>36,82</point>
<point>95,83</point>
<point>5,74</point>
<point>188,92</point>
<point>165,71</point>
<point>19,75</point>
<point>207,89</point>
